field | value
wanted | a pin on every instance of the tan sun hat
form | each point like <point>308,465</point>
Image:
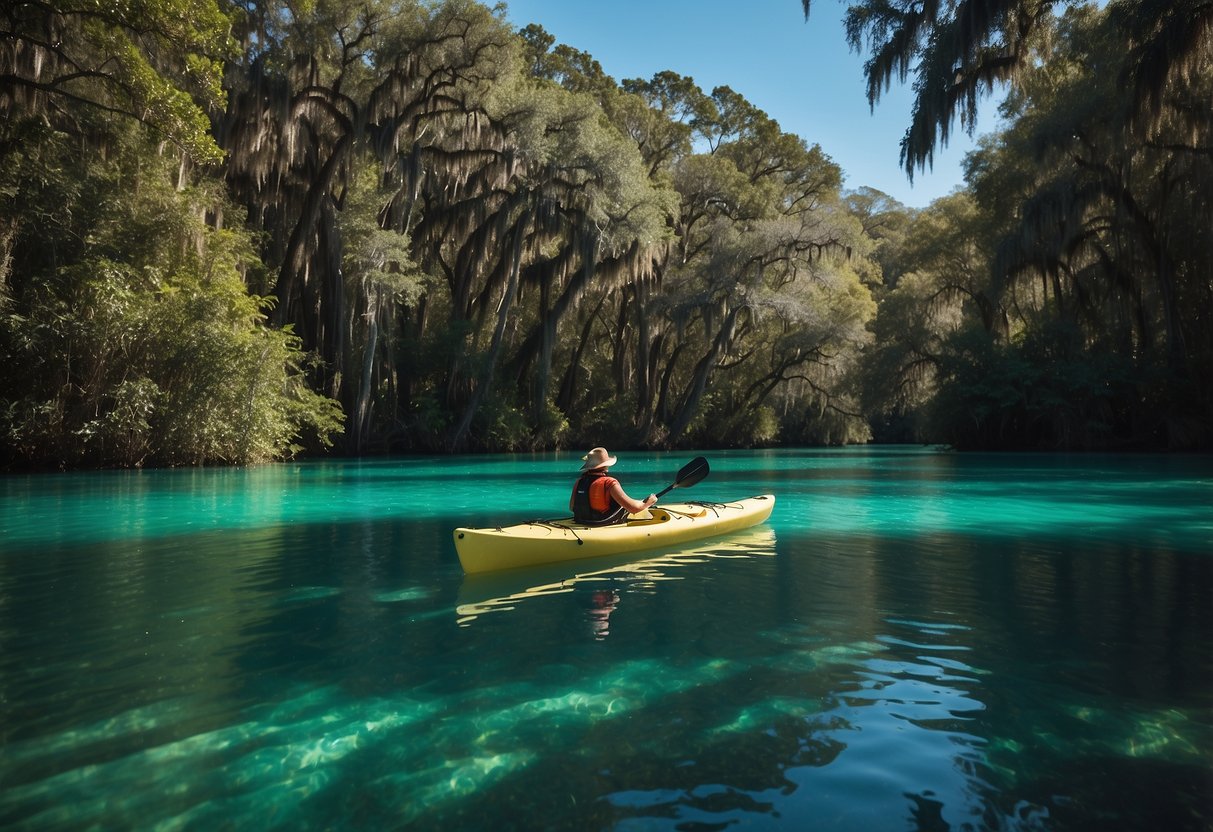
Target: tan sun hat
<point>598,458</point>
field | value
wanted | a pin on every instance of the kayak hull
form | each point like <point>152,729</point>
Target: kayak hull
<point>555,541</point>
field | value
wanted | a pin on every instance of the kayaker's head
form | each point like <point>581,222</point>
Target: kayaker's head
<point>598,458</point>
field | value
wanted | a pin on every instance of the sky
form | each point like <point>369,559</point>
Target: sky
<point>800,73</point>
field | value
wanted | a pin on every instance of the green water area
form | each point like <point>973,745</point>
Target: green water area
<point>915,640</point>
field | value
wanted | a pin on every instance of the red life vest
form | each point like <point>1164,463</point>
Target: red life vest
<point>592,500</point>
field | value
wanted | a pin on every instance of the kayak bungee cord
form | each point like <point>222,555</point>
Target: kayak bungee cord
<point>552,524</point>
<point>689,515</point>
<point>715,508</point>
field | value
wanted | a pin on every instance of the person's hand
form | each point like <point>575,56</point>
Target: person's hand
<point>649,500</point>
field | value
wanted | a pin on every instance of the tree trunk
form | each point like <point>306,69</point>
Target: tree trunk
<point>362,413</point>
<point>619,362</point>
<point>459,435</point>
<point>568,387</point>
<point>305,230</point>
<point>703,372</point>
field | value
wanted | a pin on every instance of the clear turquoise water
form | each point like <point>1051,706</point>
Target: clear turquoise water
<point>915,641</point>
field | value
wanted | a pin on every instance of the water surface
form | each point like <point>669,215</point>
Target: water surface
<point>917,640</point>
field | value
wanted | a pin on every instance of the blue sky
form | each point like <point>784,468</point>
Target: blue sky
<point>801,74</point>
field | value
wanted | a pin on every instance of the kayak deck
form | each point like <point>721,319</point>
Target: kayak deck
<point>552,541</point>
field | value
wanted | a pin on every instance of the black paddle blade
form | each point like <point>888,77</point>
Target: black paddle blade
<point>691,473</point>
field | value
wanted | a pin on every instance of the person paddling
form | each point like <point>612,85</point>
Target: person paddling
<point>599,499</point>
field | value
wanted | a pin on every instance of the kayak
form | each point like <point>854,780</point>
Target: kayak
<point>506,589</point>
<point>553,541</point>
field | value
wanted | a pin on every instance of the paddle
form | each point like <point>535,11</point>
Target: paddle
<point>691,473</point>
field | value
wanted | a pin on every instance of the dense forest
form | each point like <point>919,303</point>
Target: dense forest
<point>232,231</point>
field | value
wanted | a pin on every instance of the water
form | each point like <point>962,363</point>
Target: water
<point>915,641</point>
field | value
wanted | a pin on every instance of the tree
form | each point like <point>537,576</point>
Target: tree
<point>943,286</point>
<point>322,89</point>
<point>1083,324</point>
<point>1114,221</point>
<point>759,235</point>
<point>158,62</point>
<point>959,51</point>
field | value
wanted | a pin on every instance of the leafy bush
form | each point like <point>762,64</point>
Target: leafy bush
<point>502,426</point>
<point>119,367</point>
<point>145,347</point>
<point>1048,389</point>
<point>553,428</point>
<point>608,423</point>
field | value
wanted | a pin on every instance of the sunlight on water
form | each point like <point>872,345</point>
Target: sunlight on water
<point>760,715</point>
<point>298,748</point>
<point>285,755</point>
<point>916,640</point>
<point>415,593</point>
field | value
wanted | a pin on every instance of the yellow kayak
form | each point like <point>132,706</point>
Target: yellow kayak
<point>552,541</point>
<point>504,591</point>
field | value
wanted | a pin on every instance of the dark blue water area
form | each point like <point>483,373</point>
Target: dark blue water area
<point>914,641</point>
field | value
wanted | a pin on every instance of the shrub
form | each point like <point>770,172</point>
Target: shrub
<point>144,347</point>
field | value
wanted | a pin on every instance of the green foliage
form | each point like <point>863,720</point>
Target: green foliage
<point>885,222</point>
<point>763,427</point>
<point>553,428</point>
<point>146,347</point>
<point>131,366</point>
<point>720,423</point>
<point>553,206</point>
<point>374,257</point>
<point>505,426</point>
<point>479,239</point>
<point>608,423</point>
<point>159,62</point>
<point>823,427</point>
<point>983,387</point>
<point>428,420</point>
<point>1046,391</point>
<point>574,155</point>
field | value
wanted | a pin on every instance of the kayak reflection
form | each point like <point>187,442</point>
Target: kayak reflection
<point>602,604</point>
<point>501,592</point>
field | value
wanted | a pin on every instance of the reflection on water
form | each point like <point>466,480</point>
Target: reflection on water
<point>603,603</point>
<point>835,669</point>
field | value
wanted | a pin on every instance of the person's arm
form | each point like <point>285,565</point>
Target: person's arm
<point>627,502</point>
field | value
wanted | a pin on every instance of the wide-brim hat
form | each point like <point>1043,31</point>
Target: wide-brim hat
<point>598,458</point>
